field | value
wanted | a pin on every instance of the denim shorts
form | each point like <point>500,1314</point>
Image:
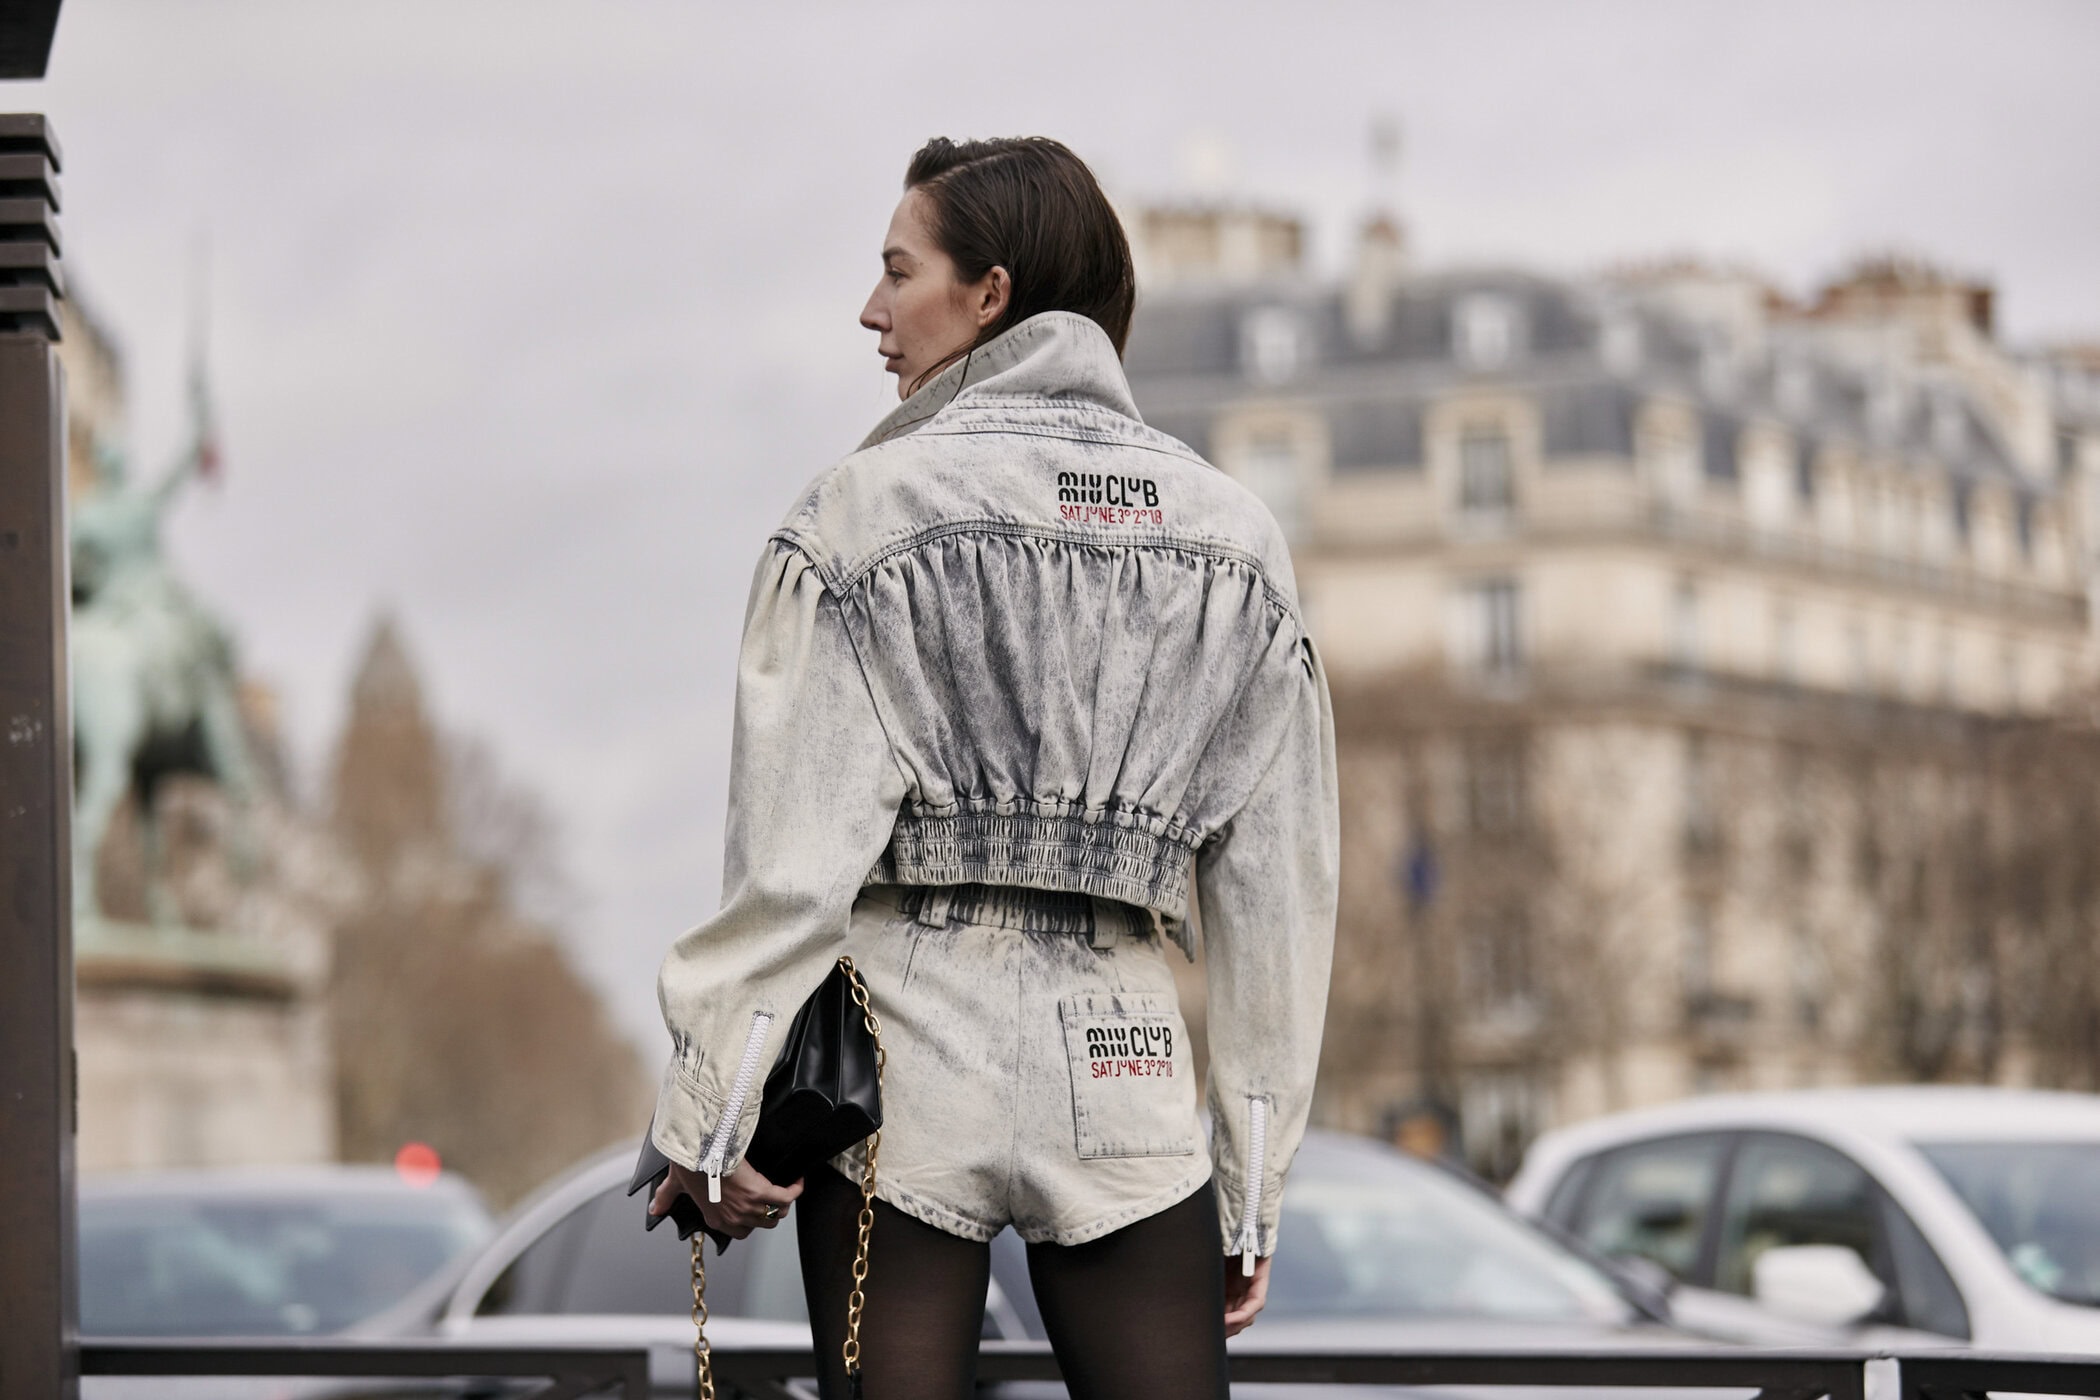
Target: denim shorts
<point>1038,1070</point>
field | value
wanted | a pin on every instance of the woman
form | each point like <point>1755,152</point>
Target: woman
<point>1010,673</point>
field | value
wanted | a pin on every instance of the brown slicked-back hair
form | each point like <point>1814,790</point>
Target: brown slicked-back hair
<point>1027,204</point>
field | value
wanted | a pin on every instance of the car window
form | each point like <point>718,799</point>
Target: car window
<point>532,1283</point>
<point>1650,1201</point>
<point>1567,1192</point>
<point>1790,1191</point>
<point>601,1259</point>
<point>259,1266</point>
<point>2040,1201</point>
<point>1930,1301</point>
<point>1420,1243</point>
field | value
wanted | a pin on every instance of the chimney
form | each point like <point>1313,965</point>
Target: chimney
<point>1381,261</point>
<point>1381,246</point>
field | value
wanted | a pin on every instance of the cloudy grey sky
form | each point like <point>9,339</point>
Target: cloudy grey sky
<point>529,319</point>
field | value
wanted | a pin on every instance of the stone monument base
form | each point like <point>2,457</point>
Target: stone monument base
<point>196,1049</point>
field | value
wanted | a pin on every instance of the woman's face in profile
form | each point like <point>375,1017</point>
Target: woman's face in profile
<point>922,313</point>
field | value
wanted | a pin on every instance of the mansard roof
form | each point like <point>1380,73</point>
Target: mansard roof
<point>1188,357</point>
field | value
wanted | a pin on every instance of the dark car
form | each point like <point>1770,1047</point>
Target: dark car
<point>260,1252</point>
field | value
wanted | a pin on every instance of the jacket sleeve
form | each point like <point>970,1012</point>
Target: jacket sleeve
<point>813,796</point>
<point>1266,885</point>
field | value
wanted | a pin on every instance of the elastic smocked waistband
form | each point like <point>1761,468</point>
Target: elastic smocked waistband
<point>1016,907</point>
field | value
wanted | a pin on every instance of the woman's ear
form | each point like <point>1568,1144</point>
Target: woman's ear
<point>994,290</point>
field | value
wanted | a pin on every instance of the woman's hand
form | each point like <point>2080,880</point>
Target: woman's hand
<point>749,1201</point>
<point>1245,1294</point>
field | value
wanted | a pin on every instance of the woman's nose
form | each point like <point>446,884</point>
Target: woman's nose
<point>875,316</point>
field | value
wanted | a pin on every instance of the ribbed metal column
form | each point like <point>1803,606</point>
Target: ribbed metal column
<point>39,1295</point>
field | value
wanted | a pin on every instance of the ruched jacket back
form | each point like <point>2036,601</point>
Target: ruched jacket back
<point>1019,638</point>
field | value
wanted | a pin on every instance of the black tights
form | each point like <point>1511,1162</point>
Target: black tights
<point>1139,1312</point>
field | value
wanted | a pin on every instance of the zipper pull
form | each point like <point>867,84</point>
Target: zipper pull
<point>714,1191</point>
<point>1247,1262</point>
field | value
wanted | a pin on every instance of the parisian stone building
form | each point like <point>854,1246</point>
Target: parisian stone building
<point>1665,617</point>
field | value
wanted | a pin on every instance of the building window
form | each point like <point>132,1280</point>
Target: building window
<point>1489,632</point>
<point>1684,628</point>
<point>1808,976</point>
<point>1717,362</point>
<point>1495,962</point>
<point>1620,343</point>
<point>1888,404</point>
<point>1272,344</point>
<point>1268,466</point>
<point>1786,664</point>
<point>1702,814</point>
<point>1486,478</point>
<point>1671,462</point>
<point>1950,428</point>
<point>1794,388</point>
<point>1486,331</point>
<point>1497,800</point>
<point>1696,962</point>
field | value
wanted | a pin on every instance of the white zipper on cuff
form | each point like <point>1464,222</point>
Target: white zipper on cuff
<point>1257,1163</point>
<point>733,1108</point>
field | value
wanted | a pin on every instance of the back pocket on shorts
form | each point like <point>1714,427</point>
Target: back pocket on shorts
<point>1131,1092</point>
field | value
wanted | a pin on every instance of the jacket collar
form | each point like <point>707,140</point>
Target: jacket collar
<point>1055,355</point>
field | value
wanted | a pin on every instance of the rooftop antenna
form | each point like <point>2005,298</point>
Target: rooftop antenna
<point>1385,163</point>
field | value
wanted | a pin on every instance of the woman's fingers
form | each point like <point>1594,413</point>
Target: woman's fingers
<point>1244,1296</point>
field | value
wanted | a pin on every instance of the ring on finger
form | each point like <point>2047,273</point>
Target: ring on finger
<point>775,1212</point>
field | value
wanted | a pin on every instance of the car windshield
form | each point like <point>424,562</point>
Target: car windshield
<point>2040,1201</point>
<point>171,1266</point>
<point>1421,1243</point>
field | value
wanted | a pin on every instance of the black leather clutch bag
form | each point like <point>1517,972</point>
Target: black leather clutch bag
<point>823,1094</point>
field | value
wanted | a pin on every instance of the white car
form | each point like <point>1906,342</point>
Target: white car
<point>1969,1213</point>
<point>1385,1251</point>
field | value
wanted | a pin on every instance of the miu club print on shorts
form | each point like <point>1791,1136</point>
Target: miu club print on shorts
<point>1131,1089</point>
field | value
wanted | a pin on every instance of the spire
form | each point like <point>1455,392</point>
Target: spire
<point>389,778</point>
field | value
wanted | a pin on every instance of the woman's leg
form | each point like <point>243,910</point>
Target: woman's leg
<point>924,1310</point>
<point>1140,1312</point>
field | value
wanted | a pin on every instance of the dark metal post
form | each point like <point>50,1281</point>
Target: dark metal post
<point>39,1303</point>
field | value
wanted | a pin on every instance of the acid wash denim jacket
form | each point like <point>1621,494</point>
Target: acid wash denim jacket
<point>1019,638</point>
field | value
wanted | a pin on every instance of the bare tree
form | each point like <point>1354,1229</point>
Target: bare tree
<point>458,1019</point>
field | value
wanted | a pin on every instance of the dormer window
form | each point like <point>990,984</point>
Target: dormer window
<point>1268,464</point>
<point>1887,403</point>
<point>1273,344</point>
<point>1620,343</point>
<point>1669,455</point>
<point>1794,388</point>
<point>1950,427</point>
<point>1484,329</point>
<point>1717,362</point>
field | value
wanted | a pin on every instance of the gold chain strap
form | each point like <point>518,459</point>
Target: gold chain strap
<point>703,1355</point>
<point>867,1184</point>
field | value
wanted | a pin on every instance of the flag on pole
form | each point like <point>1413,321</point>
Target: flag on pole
<point>203,422</point>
